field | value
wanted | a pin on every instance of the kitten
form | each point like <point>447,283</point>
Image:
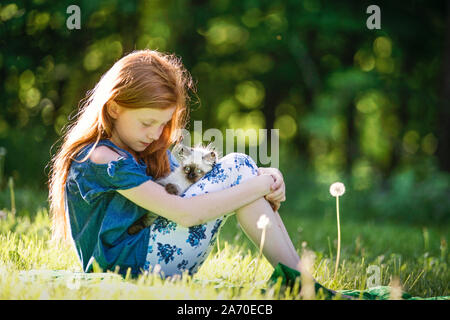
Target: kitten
<point>194,163</point>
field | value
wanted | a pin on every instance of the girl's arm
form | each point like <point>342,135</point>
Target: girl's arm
<point>189,211</point>
<point>201,208</point>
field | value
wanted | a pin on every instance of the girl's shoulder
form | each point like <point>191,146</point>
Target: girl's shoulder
<point>103,149</point>
<point>103,154</point>
<point>105,157</point>
<point>106,152</point>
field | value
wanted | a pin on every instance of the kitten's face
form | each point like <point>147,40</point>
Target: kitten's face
<point>196,162</point>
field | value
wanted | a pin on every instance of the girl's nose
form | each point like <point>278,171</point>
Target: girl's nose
<point>155,133</point>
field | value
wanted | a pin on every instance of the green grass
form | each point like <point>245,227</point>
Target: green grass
<point>417,256</point>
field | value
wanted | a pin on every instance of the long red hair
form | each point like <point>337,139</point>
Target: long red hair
<point>141,79</point>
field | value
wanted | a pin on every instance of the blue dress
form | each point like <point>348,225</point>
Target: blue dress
<point>99,216</point>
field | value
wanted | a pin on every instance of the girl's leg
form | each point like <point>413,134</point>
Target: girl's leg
<point>278,246</point>
<point>235,168</point>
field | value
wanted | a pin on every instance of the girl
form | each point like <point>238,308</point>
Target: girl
<point>102,178</point>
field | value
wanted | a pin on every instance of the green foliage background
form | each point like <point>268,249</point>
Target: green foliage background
<point>365,107</point>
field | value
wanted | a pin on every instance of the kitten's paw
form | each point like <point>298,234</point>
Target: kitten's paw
<point>134,229</point>
<point>171,188</point>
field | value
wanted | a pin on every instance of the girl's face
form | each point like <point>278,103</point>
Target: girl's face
<point>135,129</point>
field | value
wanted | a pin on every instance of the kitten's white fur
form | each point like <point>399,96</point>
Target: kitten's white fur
<point>200,157</point>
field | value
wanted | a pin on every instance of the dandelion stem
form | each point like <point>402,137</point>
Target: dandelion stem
<point>263,236</point>
<point>339,238</point>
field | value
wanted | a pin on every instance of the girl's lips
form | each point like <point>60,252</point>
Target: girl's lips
<point>145,144</point>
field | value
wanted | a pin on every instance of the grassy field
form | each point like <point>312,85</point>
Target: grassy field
<point>415,257</point>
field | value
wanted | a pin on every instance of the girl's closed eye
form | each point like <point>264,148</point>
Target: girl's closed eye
<point>152,123</point>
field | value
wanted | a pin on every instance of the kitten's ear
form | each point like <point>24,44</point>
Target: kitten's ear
<point>184,151</point>
<point>211,157</point>
<point>177,151</point>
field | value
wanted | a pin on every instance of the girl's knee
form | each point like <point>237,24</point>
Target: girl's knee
<point>240,162</point>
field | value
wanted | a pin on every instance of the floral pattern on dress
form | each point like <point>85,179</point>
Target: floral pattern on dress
<point>182,265</point>
<point>217,174</point>
<point>216,227</point>
<point>237,181</point>
<point>166,252</point>
<point>244,161</point>
<point>196,234</point>
<point>163,225</point>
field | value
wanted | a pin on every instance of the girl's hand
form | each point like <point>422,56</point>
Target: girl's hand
<point>278,188</point>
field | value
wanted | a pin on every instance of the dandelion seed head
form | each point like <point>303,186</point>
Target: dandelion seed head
<point>337,189</point>
<point>263,222</point>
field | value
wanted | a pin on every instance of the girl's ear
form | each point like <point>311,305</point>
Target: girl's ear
<point>113,109</point>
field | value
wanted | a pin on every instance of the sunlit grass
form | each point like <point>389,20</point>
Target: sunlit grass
<point>418,259</point>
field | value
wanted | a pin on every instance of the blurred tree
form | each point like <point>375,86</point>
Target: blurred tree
<point>443,151</point>
<point>346,99</point>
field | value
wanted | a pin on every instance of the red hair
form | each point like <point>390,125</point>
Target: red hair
<point>141,79</point>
